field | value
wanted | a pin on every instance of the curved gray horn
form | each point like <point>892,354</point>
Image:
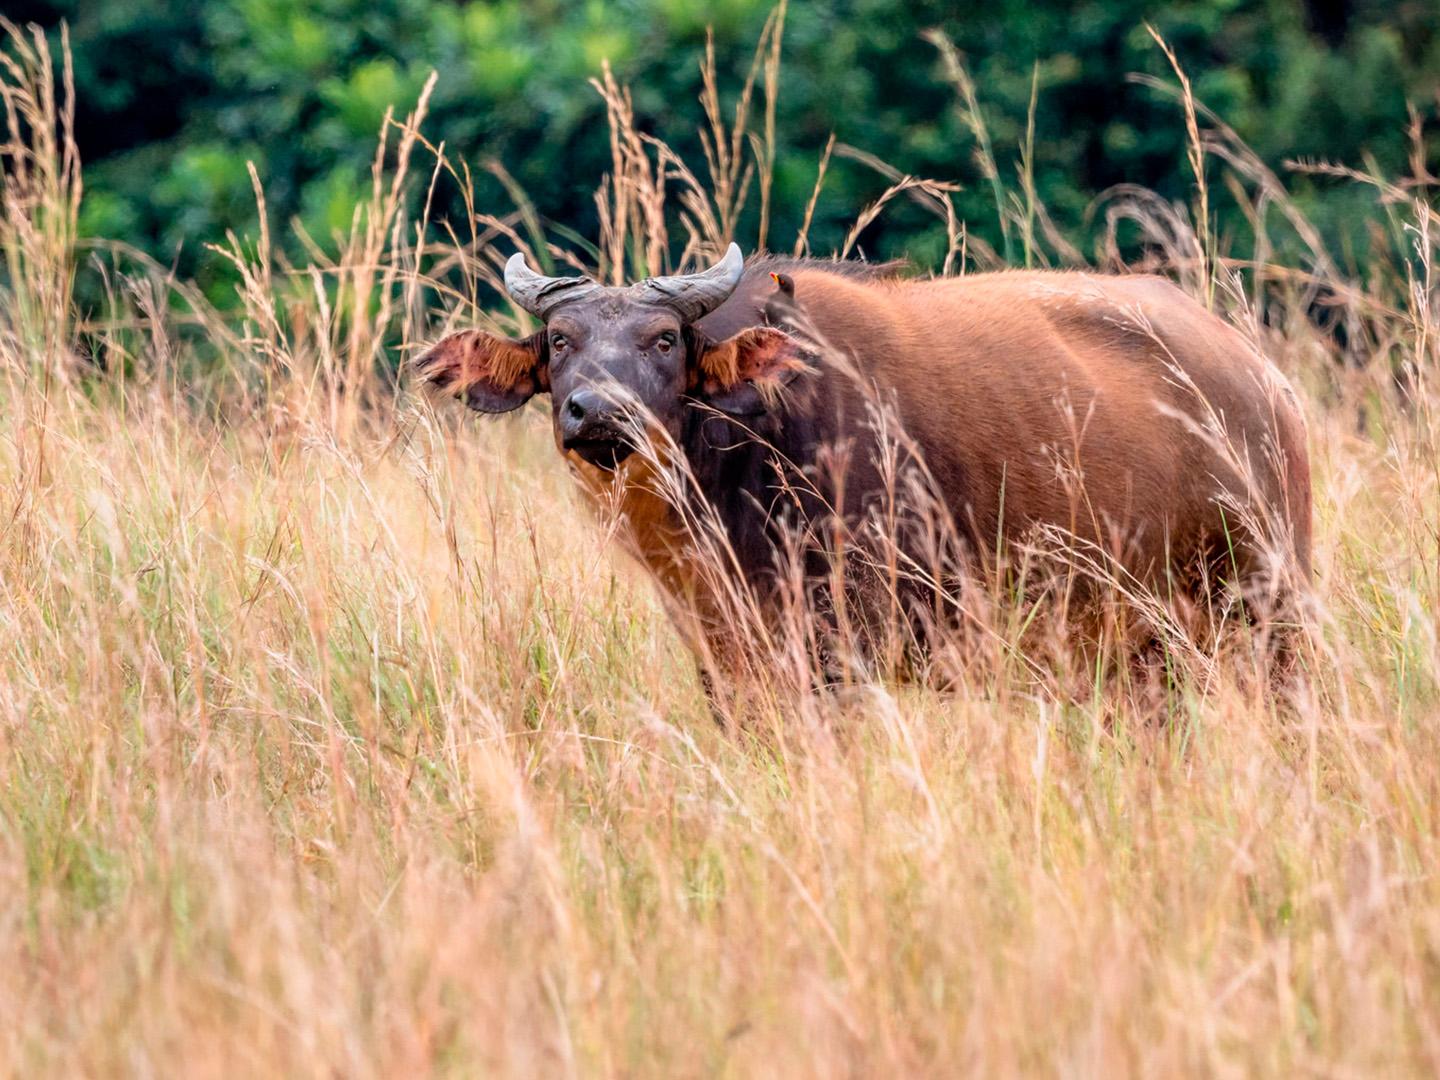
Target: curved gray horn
<point>538,294</point>
<point>693,295</point>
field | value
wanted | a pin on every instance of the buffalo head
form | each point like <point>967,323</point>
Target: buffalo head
<point>617,359</point>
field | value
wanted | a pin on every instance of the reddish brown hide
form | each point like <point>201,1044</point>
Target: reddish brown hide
<point>1114,414</point>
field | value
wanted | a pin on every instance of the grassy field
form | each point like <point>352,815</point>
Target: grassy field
<point>335,738</point>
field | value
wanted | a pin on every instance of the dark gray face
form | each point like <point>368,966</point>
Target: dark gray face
<point>619,363</point>
<point>615,366</point>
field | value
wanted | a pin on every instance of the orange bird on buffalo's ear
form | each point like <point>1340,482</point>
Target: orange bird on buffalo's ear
<point>782,309</point>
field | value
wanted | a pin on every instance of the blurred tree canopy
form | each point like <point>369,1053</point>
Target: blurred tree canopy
<point>175,97</point>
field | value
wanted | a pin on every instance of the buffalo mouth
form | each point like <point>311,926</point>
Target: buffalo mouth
<point>602,453</point>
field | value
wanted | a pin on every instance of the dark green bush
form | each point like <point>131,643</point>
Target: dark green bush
<point>176,97</point>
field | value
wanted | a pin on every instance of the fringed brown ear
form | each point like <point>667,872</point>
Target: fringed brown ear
<point>490,374</point>
<point>745,375</point>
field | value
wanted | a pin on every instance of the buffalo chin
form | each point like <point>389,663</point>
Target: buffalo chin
<point>602,453</point>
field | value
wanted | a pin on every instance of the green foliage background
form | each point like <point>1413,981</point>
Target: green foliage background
<point>175,97</point>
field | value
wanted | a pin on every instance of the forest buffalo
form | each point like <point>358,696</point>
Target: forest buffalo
<point>811,406</point>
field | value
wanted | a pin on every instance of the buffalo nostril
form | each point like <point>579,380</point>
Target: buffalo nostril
<point>575,409</point>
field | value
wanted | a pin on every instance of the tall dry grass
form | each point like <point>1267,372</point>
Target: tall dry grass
<point>333,738</point>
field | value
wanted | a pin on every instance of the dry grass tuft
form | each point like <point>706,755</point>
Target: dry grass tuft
<point>333,740</point>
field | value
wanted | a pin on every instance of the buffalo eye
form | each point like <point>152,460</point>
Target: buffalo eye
<point>665,342</point>
<point>558,342</point>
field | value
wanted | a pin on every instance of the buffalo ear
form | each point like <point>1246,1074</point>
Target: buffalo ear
<point>490,374</point>
<point>746,374</point>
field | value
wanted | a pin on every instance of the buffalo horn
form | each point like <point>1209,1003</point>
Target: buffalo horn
<point>538,294</point>
<point>692,296</point>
